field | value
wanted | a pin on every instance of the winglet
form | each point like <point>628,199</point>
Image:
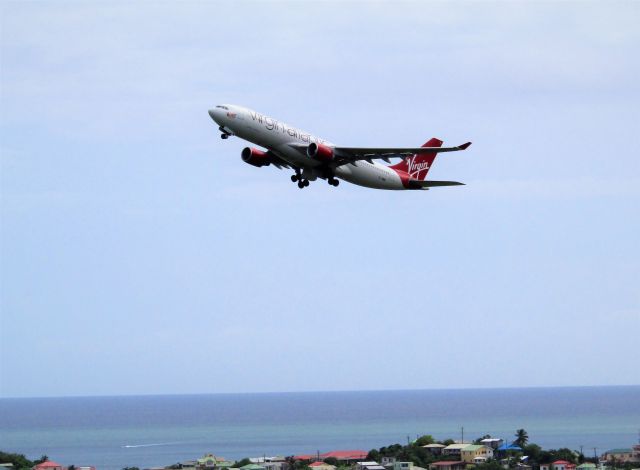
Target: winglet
<point>464,146</point>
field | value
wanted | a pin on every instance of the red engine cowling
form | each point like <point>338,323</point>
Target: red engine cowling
<point>320,152</point>
<point>255,157</point>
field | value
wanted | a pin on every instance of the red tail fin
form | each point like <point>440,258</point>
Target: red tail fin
<point>418,165</point>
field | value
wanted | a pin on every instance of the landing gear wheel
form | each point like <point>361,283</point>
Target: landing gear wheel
<point>224,136</point>
<point>306,183</point>
<point>335,183</point>
<point>294,178</point>
<point>301,184</point>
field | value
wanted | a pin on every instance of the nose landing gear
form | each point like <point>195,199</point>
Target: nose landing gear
<point>333,182</point>
<point>225,134</point>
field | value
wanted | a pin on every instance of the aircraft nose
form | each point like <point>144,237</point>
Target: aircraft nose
<point>212,113</point>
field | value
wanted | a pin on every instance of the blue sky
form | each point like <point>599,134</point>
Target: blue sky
<point>140,255</point>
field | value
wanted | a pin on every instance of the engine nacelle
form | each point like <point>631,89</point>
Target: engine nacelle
<point>320,152</point>
<point>255,157</point>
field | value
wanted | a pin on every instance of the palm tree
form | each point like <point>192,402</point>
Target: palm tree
<point>521,438</point>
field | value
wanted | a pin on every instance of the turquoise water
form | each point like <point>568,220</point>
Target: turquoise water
<point>113,432</point>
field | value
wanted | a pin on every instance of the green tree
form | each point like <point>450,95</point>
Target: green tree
<point>425,440</point>
<point>489,465</point>
<point>521,438</point>
<point>332,461</point>
<point>301,465</point>
<point>534,451</point>
<point>18,460</point>
<point>241,463</point>
<point>563,454</point>
<point>373,455</point>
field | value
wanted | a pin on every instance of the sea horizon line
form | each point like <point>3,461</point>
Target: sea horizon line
<point>343,391</point>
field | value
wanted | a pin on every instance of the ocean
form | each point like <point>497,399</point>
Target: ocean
<point>144,431</point>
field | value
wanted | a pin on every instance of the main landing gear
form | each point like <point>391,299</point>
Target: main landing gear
<point>302,183</point>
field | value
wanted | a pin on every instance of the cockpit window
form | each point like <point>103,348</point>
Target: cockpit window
<point>222,107</point>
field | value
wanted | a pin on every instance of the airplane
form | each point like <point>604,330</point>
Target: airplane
<point>311,157</point>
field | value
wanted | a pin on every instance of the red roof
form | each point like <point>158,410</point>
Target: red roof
<point>346,454</point>
<point>318,464</point>
<point>561,462</point>
<point>336,454</point>
<point>48,464</point>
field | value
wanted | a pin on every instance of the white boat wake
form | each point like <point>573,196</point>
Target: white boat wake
<point>131,446</point>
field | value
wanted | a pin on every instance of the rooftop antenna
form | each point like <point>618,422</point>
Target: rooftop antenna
<point>462,432</point>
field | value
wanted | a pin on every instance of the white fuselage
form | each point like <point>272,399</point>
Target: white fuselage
<point>277,136</point>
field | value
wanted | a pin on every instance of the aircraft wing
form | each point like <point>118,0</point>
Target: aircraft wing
<point>279,162</point>
<point>369,153</point>
<point>344,155</point>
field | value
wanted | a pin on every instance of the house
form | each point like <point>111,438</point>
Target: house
<point>387,461</point>
<point>207,461</point>
<point>402,466</point>
<point>619,455</point>
<point>434,449</point>
<point>558,465</point>
<point>346,456</point>
<point>505,448</point>
<point>563,465</point>
<point>492,442</point>
<point>223,465</point>
<point>476,453</point>
<point>278,465</point>
<point>322,466</point>
<point>371,465</point>
<point>586,466</point>
<point>265,459</point>
<point>252,466</point>
<point>48,465</point>
<point>453,449</point>
<point>457,465</point>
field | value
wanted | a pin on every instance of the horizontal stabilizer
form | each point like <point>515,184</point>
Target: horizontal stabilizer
<point>432,184</point>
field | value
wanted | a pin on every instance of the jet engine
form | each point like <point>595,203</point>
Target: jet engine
<point>255,157</point>
<point>320,152</point>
